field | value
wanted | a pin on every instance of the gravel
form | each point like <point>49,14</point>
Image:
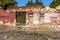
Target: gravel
<point>23,35</point>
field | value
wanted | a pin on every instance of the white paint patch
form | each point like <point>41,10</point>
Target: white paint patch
<point>35,18</point>
<point>1,22</point>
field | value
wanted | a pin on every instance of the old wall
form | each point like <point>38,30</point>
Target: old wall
<point>52,18</point>
<point>7,17</point>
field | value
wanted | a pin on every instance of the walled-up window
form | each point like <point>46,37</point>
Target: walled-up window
<point>41,17</point>
<point>30,17</point>
<point>41,14</point>
<point>53,17</point>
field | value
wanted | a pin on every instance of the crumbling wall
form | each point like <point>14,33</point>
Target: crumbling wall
<point>7,17</point>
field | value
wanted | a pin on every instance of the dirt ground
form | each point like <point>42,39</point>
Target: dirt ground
<point>22,35</point>
<point>28,33</point>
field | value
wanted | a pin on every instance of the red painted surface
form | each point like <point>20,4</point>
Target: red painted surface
<point>6,17</point>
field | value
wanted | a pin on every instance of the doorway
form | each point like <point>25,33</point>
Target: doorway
<point>21,17</point>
